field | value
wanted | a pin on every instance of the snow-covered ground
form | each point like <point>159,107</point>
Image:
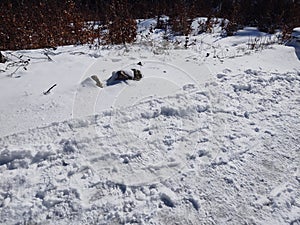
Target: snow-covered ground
<point>210,135</point>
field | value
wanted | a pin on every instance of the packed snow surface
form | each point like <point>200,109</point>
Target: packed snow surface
<point>210,135</point>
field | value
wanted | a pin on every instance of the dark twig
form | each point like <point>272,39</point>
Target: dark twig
<point>48,91</point>
<point>19,65</point>
<point>49,58</point>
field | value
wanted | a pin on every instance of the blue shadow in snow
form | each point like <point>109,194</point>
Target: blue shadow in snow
<point>250,31</point>
<point>296,45</point>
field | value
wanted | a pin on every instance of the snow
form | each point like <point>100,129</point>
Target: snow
<point>209,135</point>
<point>296,33</point>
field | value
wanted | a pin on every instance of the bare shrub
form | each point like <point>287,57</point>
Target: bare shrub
<point>38,24</point>
<point>122,28</point>
<point>180,21</point>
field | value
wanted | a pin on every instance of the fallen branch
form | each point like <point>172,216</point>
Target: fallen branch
<point>49,58</point>
<point>19,65</point>
<point>48,91</point>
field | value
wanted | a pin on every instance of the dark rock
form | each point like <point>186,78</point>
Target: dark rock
<point>3,59</point>
<point>122,75</point>
<point>137,74</point>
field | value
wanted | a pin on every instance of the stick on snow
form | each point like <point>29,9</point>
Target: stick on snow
<point>48,91</point>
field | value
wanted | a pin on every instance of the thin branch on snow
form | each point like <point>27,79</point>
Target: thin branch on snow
<point>48,91</point>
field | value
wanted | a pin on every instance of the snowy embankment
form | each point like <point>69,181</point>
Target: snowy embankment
<point>199,140</point>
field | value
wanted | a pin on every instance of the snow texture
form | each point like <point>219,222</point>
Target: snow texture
<point>199,140</point>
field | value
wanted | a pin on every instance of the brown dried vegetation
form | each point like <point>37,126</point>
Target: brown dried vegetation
<point>31,24</point>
